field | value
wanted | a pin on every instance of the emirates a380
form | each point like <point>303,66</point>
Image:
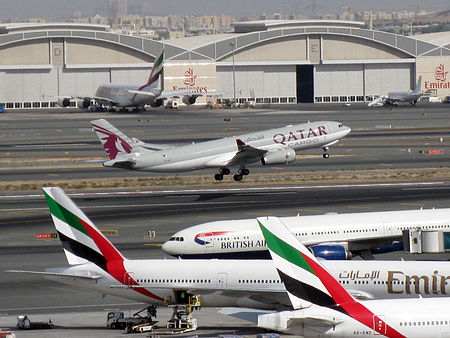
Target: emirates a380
<point>270,147</point>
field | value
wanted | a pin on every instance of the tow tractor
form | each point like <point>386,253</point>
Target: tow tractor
<point>117,320</point>
<point>181,320</point>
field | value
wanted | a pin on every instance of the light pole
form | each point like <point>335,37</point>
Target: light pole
<point>234,72</point>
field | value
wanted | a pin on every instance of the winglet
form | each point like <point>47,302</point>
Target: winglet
<point>240,143</point>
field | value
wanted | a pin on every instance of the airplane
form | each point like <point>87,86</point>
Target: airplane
<point>322,307</point>
<point>393,98</point>
<point>329,236</point>
<point>270,147</point>
<point>132,95</point>
<point>95,264</point>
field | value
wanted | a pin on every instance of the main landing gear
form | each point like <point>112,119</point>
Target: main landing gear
<point>325,154</point>
<point>225,171</point>
<point>222,172</point>
<point>242,172</point>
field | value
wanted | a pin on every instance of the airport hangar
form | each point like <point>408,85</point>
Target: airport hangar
<point>268,61</point>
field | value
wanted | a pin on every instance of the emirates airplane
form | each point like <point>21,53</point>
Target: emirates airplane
<point>95,264</point>
<point>322,307</point>
<point>330,236</point>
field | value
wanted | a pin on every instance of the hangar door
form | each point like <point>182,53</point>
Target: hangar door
<point>338,80</point>
<point>305,83</point>
<point>383,78</point>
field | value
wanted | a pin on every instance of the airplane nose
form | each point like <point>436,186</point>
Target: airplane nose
<point>167,247</point>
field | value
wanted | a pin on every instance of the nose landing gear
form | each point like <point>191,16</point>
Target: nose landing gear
<point>325,154</point>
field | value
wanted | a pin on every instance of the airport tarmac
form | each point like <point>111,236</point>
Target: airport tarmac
<point>380,139</point>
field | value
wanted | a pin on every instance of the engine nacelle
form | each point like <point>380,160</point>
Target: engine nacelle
<point>84,103</point>
<point>189,99</point>
<point>63,102</point>
<point>279,157</point>
<point>331,252</point>
<point>157,103</point>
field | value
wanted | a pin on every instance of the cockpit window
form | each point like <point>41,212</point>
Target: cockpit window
<point>176,239</point>
<point>341,125</point>
<point>171,239</point>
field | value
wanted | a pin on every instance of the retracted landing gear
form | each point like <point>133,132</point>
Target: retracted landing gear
<point>242,172</point>
<point>325,154</point>
<point>222,172</point>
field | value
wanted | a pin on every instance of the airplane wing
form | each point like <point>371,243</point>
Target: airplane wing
<point>177,93</point>
<point>246,153</point>
<point>58,274</point>
<point>105,99</point>
<point>143,92</point>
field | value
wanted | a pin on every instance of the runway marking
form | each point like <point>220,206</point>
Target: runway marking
<point>68,307</point>
<point>153,244</point>
<point>359,207</point>
<point>237,189</point>
<point>414,204</point>
<point>55,145</point>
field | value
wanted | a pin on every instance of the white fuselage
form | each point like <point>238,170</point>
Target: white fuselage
<point>360,231</point>
<point>408,317</point>
<point>255,283</point>
<point>225,152</point>
<point>121,94</point>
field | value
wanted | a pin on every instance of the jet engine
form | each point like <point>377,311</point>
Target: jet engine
<point>331,252</point>
<point>84,103</point>
<point>63,102</point>
<point>279,157</point>
<point>189,99</point>
<point>157,103</point>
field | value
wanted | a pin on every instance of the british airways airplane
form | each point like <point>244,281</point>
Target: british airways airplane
<point>269,147</point>
<point>330,236</point>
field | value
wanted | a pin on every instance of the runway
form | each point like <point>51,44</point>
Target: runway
<point>380,140</point>
<point>44,147</point>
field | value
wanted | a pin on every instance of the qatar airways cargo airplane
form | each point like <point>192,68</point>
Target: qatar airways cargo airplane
<point>95,264</point>
<point>274,146</point>
<point>333,236</point>
<point>322,307</point>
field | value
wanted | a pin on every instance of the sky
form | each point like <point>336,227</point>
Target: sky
<point>61,9</point>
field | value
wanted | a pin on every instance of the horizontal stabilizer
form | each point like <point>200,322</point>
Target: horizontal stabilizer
<point>250,315</point>
<point>58,274</point>
<point>125,164</point>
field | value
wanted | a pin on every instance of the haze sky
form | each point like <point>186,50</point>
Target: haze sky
<point>63,9</point>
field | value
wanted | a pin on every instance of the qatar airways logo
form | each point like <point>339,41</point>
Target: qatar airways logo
<point>112,143</point>
<point>298,135</point>
<point>440,75</point>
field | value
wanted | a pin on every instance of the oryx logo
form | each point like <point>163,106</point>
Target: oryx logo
<point>440,74</point>
<point>202,238</point>
<point>112,143</point>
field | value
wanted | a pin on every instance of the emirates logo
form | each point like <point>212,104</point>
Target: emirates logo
<point>440,74</point>
<point>189,77</point>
